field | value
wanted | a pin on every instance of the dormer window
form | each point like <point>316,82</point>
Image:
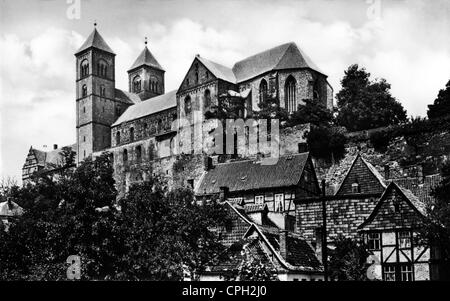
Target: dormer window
<point>356,187</point>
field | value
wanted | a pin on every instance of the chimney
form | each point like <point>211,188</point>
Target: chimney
<point>223,194</point>
<point>302,147</point>
<point>283,242</point>
<point>387,172</point>
<point>55,146</point>
<point>318,243</point>
<point>207,164</point>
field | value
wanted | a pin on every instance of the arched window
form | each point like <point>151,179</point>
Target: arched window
<point>159,125</point>
<point>84,90</point>
<point>187,105</point>
<point>117,138</point>
<point>207,100</point>
<point>131,134</point>
<point>125,155</point>
<point>196,74</point>
<point>151,152</point>
<point>262,91</point>
<point>156,86</point>
<point>145,129</point>
<point>137,84</point>
<point>138,153</point>
<point>102,90</point>
<point>102,68</point>
<point>316,93</point>
<point>84,68</point>
<point>290,94</point>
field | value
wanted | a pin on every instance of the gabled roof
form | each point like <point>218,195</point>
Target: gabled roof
<point>408,197</point>
<point>148,107</point>
<point>285,56</point>
<point>10,209</point>
<point>146,58</point>
<point>95,40</point>
<point>218,70</point>
<point>369,179</point>
<point>250,175</point>
<point>51,159</point>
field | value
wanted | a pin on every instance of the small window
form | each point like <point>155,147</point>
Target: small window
<point>262,91</point>
<point>187,105</point>
<point>355,187</point>
<point>259,199</point>
<point>84,109</point>
<point>84,91</point>
<point>279,202</point>
<point>137,84</point>
<point>374,241</point>
<point>131,134</point>
<point>404,239</point>
<point>138,153</point>
<point>125,155</point>
<point>207,98</point>
<point>406,272</point>
<point>84,138</point>
<point>102,90</point>
<point>84,154</point>
<point>389,273</point>
<point>117,138</point>
<point>84,68</point>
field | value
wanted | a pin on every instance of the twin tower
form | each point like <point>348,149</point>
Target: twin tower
<point>98,102</point>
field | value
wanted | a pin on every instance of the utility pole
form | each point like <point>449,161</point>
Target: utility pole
<point>324,233</point>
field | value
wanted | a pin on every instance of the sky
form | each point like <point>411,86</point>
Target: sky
<point>407,42</point>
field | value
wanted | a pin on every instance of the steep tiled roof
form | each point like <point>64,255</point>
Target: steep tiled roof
<point>218,70</point>
<point>146,58</point>
<point>367,176</point>
<point>127,97</point>
<point>148,107</point>
<point>250,175</point>
<point>422,188</point>
<point>284,56</point>
<point>95,40</point>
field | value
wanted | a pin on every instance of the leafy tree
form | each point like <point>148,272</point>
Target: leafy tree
<point>364,104</point>
<point>347,261</point>
<point>254,270</point>
<point>270,109</point>
<point>327,143</point>
<point>441,106</point>
<point>312,112</point>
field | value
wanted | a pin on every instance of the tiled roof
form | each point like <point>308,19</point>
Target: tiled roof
<point>146,58</point>
<point>51,159</point>
<point>218,70</point>
<point>95,40</point>
<point>148,107</point>
<point>415,201</point>
<point>127,97</point>
<point>251,175</point>
<point>10,209</point>
<point>422,188</point>
<point>284,56</point>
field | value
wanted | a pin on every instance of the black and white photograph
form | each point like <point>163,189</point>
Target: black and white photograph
<point>225,141</point>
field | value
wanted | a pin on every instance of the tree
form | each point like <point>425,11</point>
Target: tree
<point>441,106</point>
<point>364,104</point>
<point>436,230</point>
<point>255,270</point>
<point>311,112</point>
<point>270,109</point>
<point>348,261</point>
<point>327,143</point>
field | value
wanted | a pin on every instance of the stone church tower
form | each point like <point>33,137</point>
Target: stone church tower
<point>146,76</point>
<point>95,95</point>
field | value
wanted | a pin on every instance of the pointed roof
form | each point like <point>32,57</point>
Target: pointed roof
<point>95,40</point>
<point>146,58</point>
<point>285,56</point>
<point>218,70</point>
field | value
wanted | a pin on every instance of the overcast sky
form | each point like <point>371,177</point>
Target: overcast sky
<point>406,42</point>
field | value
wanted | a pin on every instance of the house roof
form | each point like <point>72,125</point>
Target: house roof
<point>413,201</point>
<point>51,159</point>
<point>218,70</point>
<point>146,58</point>
<point>285,56</point>
<point>367,176</point>
<point>95,40</point>
<point>11,209</point>
<point>250,175</point>
<point>421,187</point>
<point>148,107</point>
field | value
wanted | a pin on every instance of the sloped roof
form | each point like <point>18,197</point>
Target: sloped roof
<point>251,175</point>
<point>368,177</point>
<point>285,56</point>
<point>146,58</point>
<point>218,70</point>
<point>148,107</point>
<point>11,209</point>
<point>127,97</point>
<point>95,40</point>
<point>422,188</point>
<point>52,158</point>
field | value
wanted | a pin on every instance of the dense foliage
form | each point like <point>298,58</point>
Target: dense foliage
<point>441,106</point>
<point>364,104</point>
<point>154,234</point>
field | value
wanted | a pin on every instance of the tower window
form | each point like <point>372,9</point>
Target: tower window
<point>117,138</point>
<point>132,134</point>
<point>125,155</point>
<point>102,90</point>
<point>84,138</point>
<point>262,91</point>
<point>145,128</point>
<point>316,94</point>
<point>84,90</point>
<point>102,68</point>
<point>137,84</point>
<point>84,110</point>
<point>290,94</point>
<point>84,68</point>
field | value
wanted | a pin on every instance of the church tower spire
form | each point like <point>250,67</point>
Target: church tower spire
<point>95,95</point>
<point>146,76</point>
